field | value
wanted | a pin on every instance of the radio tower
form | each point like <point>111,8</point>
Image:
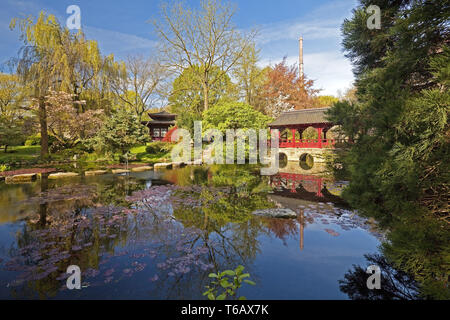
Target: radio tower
<point>300,66</point>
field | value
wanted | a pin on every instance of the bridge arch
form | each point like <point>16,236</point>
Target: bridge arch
<point>306,161</point>
<point>282,160</point>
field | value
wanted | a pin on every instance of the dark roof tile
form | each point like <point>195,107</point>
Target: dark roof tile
<point>305,116</point>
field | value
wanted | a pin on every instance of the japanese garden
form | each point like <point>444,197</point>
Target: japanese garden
<point>88,178</point>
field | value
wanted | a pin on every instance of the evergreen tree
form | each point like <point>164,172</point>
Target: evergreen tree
<point>119,133</point>
<point>398,163</point>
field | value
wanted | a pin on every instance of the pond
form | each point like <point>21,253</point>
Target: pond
<point>159,234</point>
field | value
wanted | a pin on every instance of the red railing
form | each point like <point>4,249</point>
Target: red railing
<point>306,143</point>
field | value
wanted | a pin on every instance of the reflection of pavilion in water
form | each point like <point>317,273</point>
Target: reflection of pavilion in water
<point>294,191</point>
<point>306,187</point>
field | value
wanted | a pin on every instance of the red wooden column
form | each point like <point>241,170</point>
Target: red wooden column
<point>325,131</point>
<point>319,188</point>
<point>293,137</point>
<point>319,135</point>
<point>293,186</point>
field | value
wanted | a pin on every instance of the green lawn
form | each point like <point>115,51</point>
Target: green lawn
<point>28,153</point>
<point>137,150</point>
<point>143,156</point>
<point>19,153</point>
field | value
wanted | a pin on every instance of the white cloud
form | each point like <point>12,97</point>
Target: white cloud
<point>331,71</point>
<point>119,43</point>
<point>311,30</point>
<point>323,59</point>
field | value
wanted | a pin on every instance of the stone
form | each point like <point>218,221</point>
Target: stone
<point>178,164</point>
<point>21,178</point>
<point>95,172</point>
<point>60,175</point>
<point>120,171</point>
<point>163,166</point>
<point>141,169</point>
<point>276,213</point>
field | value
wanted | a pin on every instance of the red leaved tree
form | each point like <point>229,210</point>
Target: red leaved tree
<point>284,90</point>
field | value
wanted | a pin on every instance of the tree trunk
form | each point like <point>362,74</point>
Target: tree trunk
<point>205,96</point>
<point>43,206</point>
<point>43,125</point>
<point>6,147</point>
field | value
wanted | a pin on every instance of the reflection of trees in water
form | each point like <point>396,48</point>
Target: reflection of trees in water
<point>184,233</point>
<point>415,260</point>
<point>419,245</point>
<point>217,203</point>
<point>69,227</point>
<point>281,228</point>
<point>210,227</point>
<point>225,227</point>
<point>395,284</point>
<point>76,235</point>
<point>114,192</point>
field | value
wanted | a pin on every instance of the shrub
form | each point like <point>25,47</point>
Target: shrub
<point>158,147</point>
<point>33,140</point>
<point>120,132</point>
<point>234,115</point>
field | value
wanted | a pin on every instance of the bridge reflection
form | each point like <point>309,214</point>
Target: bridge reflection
<point>306,187</point>
<point>296,191</point>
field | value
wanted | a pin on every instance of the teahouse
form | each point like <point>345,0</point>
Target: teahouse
<point>159,124</point>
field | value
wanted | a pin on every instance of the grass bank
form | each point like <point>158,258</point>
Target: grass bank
<point>19,157</point>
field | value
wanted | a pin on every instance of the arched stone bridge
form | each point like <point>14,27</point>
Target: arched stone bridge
<point>308,154</point>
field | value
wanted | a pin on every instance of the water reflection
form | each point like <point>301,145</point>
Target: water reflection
<point>396,284</point>
<point>159,234</point>
<point>182,230</point>
<point>307,187</point>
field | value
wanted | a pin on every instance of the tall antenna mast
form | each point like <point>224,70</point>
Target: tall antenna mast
<point>300,66</point>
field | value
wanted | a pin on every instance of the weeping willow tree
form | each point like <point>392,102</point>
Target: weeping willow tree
<point>54,58</point>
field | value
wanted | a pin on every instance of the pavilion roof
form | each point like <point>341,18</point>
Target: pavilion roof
<point>162,118</point>
<point>301,117</point>
<point>162,122</point>
<point>162,114</point>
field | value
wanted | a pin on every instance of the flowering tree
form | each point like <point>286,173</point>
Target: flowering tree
<point>65,119</point>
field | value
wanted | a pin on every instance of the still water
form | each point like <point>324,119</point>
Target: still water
<point>158,234</point>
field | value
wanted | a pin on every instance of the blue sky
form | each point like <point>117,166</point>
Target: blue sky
<point>121,28</point>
